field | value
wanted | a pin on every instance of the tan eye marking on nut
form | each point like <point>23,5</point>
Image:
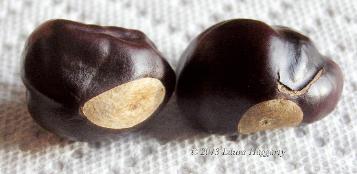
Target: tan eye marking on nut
<point>270,114</point>
<point>284,89</point>
<point>126,105</point>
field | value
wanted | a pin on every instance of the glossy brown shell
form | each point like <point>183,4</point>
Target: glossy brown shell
<point>66,63</point>
<point>236,64</point>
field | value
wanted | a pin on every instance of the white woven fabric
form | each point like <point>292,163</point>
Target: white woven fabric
<point>328,146</point>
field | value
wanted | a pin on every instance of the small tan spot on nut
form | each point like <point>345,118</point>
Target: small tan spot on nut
<point>125,105</point>
<point>270,114</point>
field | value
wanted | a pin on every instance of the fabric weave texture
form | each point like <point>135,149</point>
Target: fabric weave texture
<point>166,146</point>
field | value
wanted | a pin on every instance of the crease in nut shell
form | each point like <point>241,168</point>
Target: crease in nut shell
<point>286,90</point>
<point>276,113</point>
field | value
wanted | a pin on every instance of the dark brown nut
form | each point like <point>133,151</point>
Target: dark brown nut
<point>86,82</point>
<point>244,76</point>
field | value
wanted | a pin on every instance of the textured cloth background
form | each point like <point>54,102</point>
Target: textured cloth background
<point>328,146</point>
